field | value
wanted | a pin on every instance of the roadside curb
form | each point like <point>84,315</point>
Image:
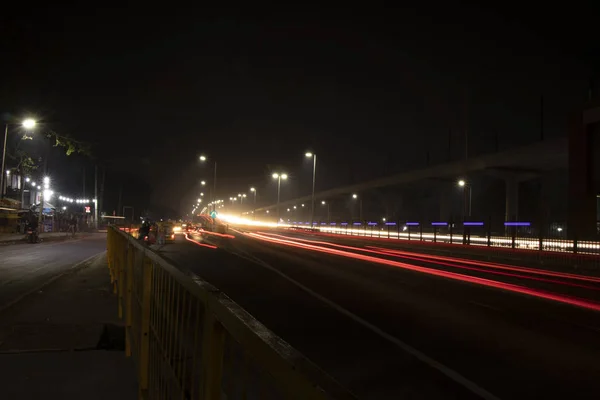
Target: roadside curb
<point>80,265</point>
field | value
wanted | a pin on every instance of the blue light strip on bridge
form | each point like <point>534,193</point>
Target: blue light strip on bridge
<point>412,224</point>
<point>439,224</point>
<point>357,223</point>
<point>517,224</point>
<point>333,223</point>
<point>473,224</point>
<point>344,223</point>
<point>372,223</point>
<point>390,223</point>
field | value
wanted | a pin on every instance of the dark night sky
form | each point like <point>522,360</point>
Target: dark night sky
<point>370,91</point>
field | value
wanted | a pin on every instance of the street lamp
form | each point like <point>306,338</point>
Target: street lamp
<point>312,207</point>
<point>214,192</point>
<point>46,193</point>
<point>253,190</point>
<point>466,207</point>
<point>27,124</point>
<point>355,196</point>
<point>328,210</point>
<point>279,177</point>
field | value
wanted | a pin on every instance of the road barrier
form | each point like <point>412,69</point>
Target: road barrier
<point>190,341</point>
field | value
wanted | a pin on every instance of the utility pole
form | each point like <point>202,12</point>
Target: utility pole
<point>542,118</point>
<point>101,199</point>
<point>40,216</point>
<point>120,198</point>
<point>96,197</point>
<point>83,194</point>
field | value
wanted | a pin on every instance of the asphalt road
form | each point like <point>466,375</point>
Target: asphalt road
<point>25,266</point>
<point>403,326</point>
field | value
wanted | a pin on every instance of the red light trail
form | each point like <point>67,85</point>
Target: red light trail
<point>460,263</point>
<point>210,246</point>
<point>432,271</point>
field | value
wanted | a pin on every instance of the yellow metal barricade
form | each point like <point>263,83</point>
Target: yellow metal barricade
<point>190,341</point>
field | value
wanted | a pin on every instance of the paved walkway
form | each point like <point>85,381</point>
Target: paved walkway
<point>19,237</point>
<point>51,342</point>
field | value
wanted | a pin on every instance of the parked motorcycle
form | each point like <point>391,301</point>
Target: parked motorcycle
<point>32,235</point>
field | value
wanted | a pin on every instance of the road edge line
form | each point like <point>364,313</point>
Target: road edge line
<point>80,265</point>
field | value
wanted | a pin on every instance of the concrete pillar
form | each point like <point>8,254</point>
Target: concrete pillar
<point>445,205</point>
<point>582,195</point>
<point>512,198</point>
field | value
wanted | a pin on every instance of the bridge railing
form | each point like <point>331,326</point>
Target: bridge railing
<point>190,341</point>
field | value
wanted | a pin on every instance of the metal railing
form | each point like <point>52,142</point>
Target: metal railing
<point>518,235</point>
<point>190,341</point>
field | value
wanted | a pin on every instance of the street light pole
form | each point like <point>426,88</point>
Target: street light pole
<point>3,157</point>
<point>466,207</point>
<point>27,124</point>
<point>214,194</point>
<point>328,210</point>
<point>312,207</point>
<point>279,177</point>
<point>253,190</point>
<point>278,196</point>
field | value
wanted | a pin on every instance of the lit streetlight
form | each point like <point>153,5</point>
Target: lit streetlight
<point>466,198</point>
<point>27,124</point>
<point>253,190</point>
<point>279,177</point>
<point>360,205</point>
<point>324,203</point>
<point>312,207</point>
<point>203,158</point>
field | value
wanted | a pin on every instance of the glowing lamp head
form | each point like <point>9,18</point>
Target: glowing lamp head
<point>355,196</point>
<point>202,158</point>
<point>461,183</point>
<point>308,154</point>
<point>29,123</point>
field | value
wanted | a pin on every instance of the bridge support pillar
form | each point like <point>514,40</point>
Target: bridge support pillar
<point>445,205</point>
<point>512,198</point>
<point>584,131</point>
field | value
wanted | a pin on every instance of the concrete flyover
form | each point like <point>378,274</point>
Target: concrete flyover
<point>514,166</point>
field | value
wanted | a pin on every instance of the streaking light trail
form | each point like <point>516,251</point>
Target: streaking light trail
<point>458,262</point>
<point>435,272</point>
<point>210,246</point>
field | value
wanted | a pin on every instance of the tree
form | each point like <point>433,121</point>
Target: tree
<point>27,163</point>
<point>70,144</point>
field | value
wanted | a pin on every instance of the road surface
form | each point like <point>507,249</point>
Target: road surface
<point>26,266</point>
<point>400,325</point>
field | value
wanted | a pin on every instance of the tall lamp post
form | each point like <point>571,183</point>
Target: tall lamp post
<point>279,177</point>
<point>253,190</point>
<point>27,124</point>
<point>214,192</point>
<point>466,206</point>
<point>312,207</point>
<point>46,194</point>
<point>328,210</point>
<point>355,196</point>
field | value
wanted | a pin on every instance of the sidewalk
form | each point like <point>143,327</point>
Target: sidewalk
<point>20,237</point>
<point>51,342</point>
